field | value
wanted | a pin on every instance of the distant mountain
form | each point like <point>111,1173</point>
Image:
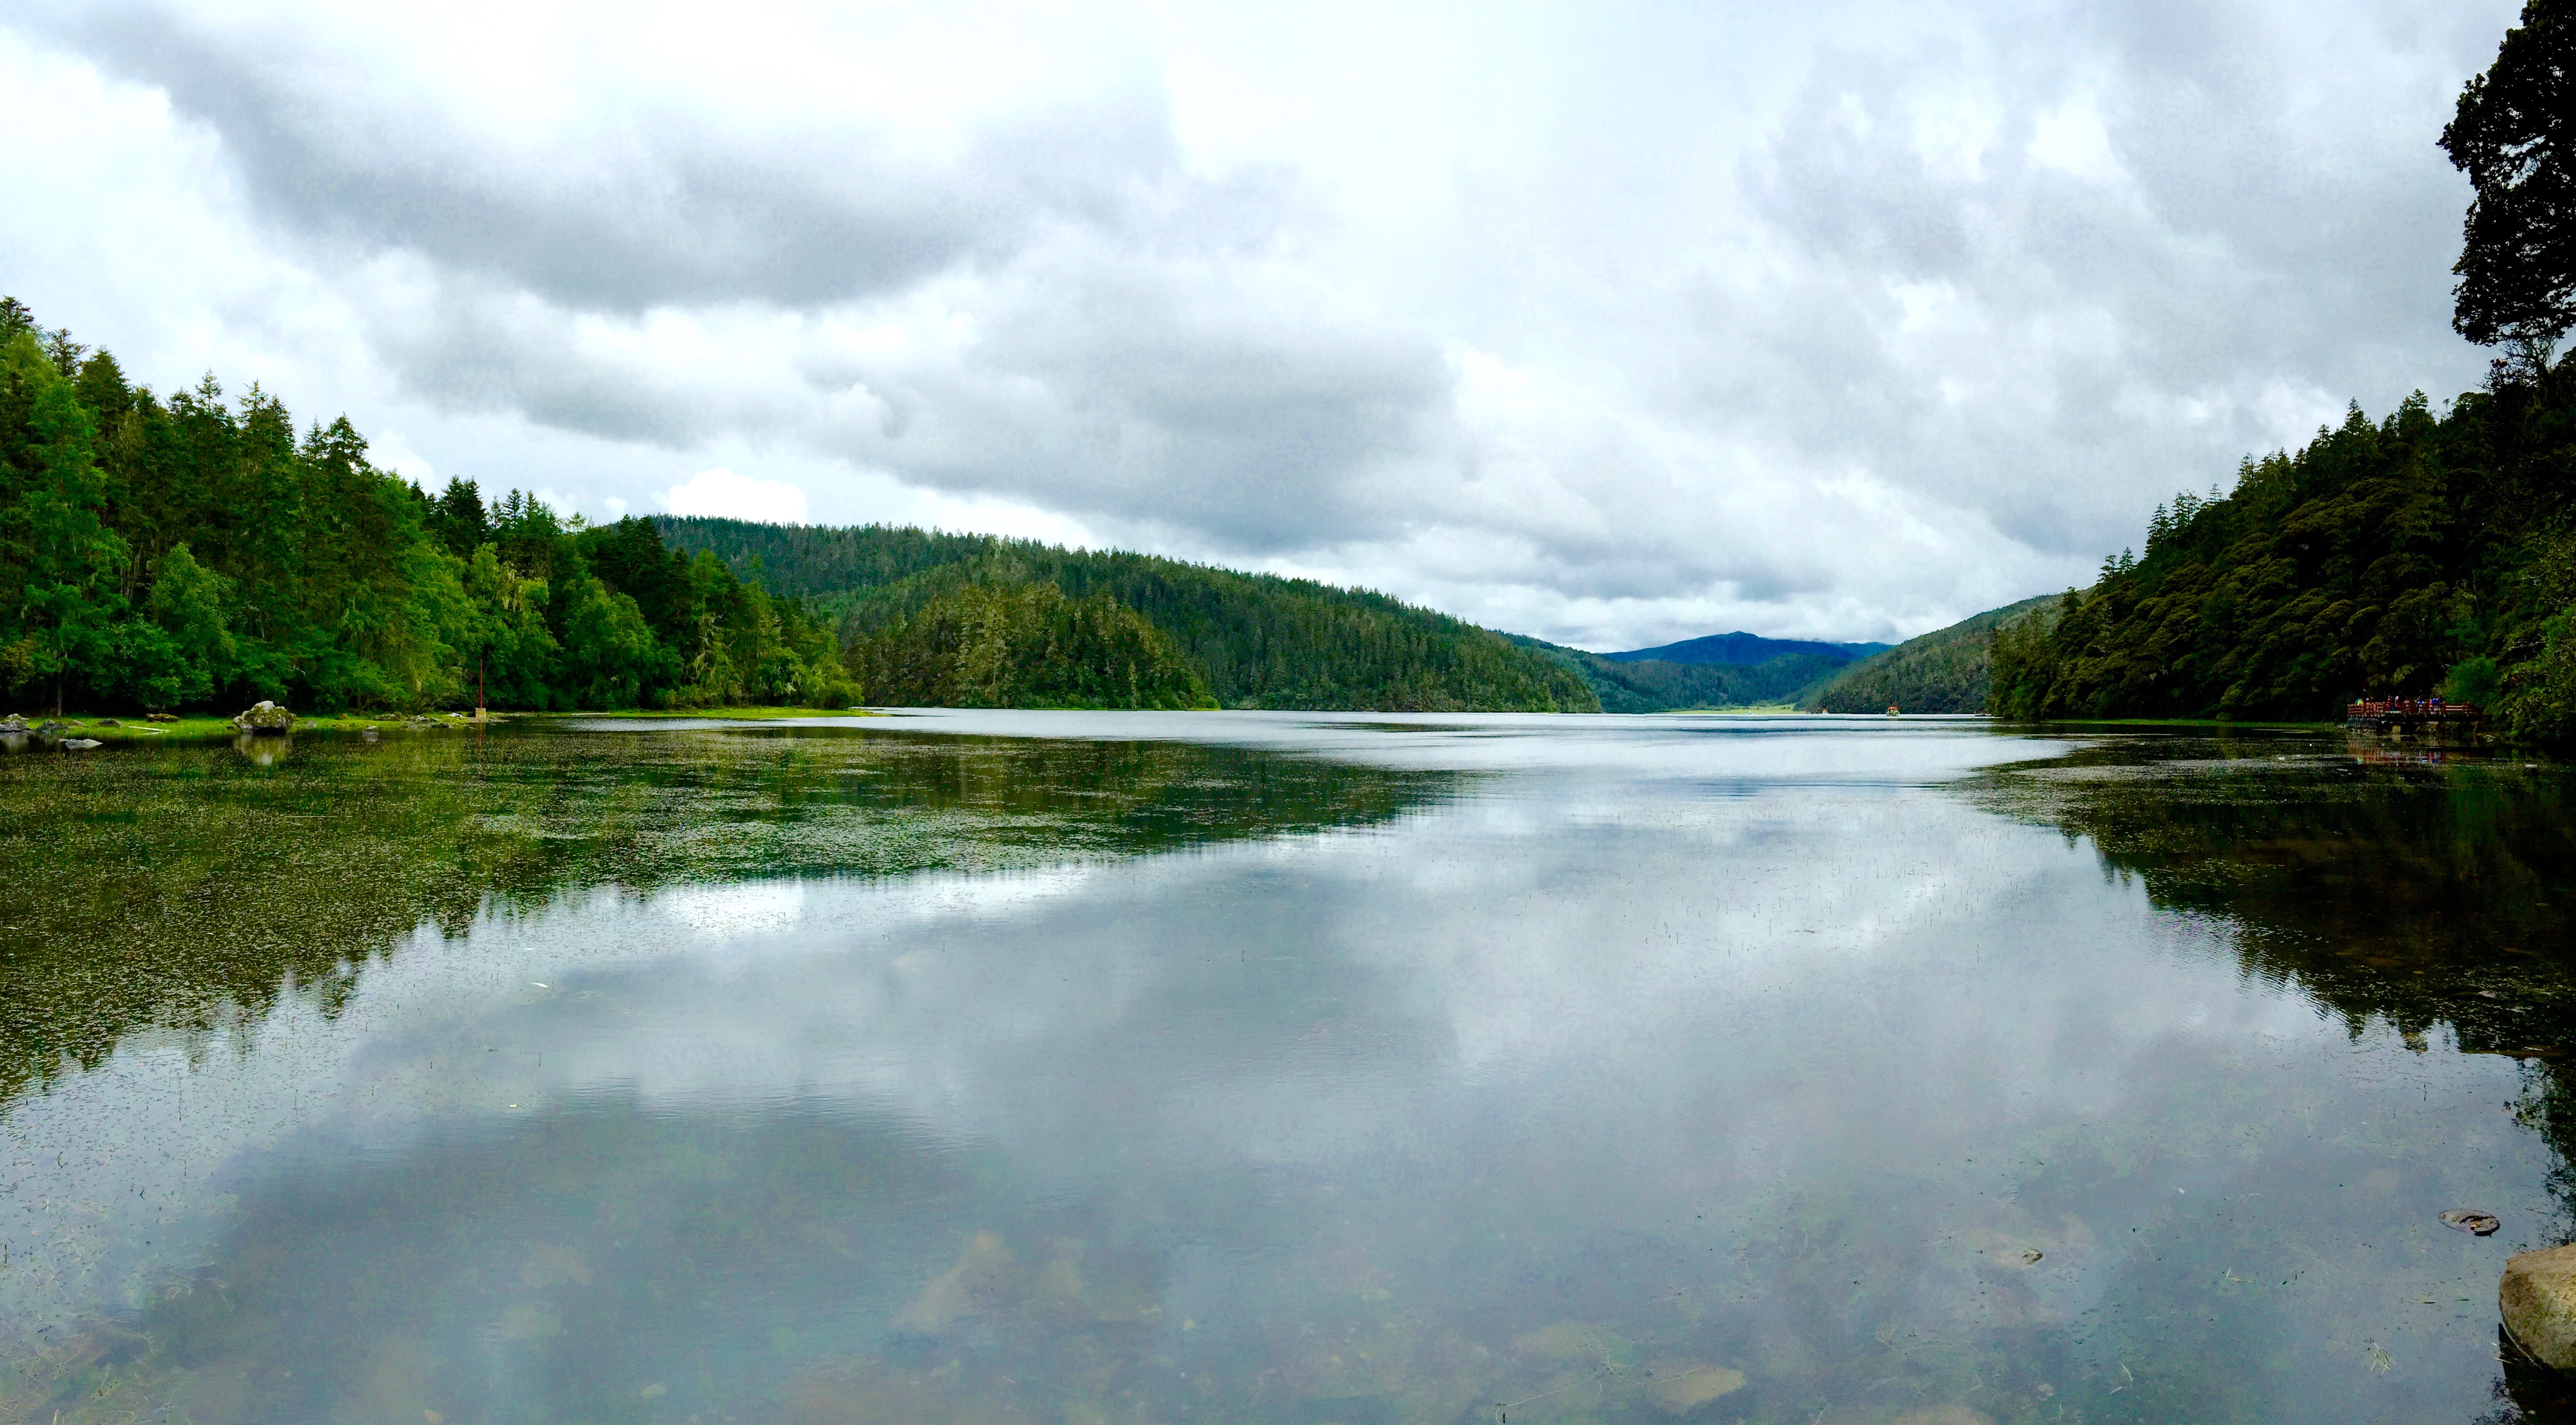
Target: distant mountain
<point>1946,670</point>
<point>1655,685</point>
<point>1745,650</point>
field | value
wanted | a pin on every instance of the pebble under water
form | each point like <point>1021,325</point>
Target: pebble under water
<point>1090,1067</point>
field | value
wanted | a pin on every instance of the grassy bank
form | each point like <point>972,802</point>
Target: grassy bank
<point>118,727</point>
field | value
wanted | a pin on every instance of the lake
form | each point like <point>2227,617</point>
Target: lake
<point>1106,1067</point>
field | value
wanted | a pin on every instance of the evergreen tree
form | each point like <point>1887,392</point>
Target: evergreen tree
<point>183,648</point>
<point>196,552</point>
<point>70,599</point>
<point>2510,135</point>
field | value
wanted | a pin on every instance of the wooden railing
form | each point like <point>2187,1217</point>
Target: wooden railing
<point>2412,707</point>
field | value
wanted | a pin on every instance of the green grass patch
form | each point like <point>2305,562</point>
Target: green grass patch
<point>136,728</point>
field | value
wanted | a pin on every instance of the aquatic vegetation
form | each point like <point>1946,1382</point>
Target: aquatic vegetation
<point>208,879</point>
<point>854,1074</point>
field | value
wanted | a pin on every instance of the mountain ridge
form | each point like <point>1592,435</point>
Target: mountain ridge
<point>1745,650</point>
<point>1948,670</point>
<point>1259,640</point>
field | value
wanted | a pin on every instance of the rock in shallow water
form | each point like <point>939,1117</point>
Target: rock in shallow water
<point>2538,1295</point>
<point>2469,1219</point>
<point>1682,1388</point>
<point>264,716</point>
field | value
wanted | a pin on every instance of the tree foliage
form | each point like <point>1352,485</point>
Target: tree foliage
<point>194,551</point>
<point>2384,559</point>
<point>1026,647</point>
<point>1945,671</point>
<point>1650,685</point>
<point>1258,641</point>
<point>2517,266</point>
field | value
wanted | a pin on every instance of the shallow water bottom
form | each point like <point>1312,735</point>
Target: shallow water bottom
<point>1489,1072</point>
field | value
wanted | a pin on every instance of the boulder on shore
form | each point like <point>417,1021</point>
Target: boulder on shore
<point>12,725</point>
<point>264,716</point>
<point>2538,1295</point>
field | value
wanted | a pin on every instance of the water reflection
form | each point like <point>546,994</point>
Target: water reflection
<point>196,883</point>
<point>1652,1071</point>
<point>266,749</point>
<point>2423,892</point>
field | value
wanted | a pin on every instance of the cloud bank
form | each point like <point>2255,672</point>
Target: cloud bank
<point>1613,324</point>
<point>721,494</point>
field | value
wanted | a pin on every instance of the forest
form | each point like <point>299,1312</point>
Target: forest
<point>1254,640</point>
<point>1026,646</point>
<point>197,551</point>
<point>2426,552</point>
<point>1628,684</point>
<point>1944,671</point>
<point>2418,554</point>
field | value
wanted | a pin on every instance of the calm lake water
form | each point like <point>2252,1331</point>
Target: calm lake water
<point>1249,1067</point>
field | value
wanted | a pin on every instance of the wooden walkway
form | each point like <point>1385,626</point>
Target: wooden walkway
<point>2419,717</point>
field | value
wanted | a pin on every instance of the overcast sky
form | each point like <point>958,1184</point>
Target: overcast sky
<point>1610,324</point>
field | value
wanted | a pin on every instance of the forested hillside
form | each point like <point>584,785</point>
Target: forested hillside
<point>1745,650</point>
<point>2430,550</point>
<point>2388,558</point>
<point>804,561</point>
<point>1657,685</point>
<point>1256,640</point>
<point>1025,646</point>
<point>197,551</point>
<point>1945,671</point>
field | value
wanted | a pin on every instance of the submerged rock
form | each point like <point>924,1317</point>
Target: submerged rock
<point>981,1281</point>
<point>1680,1389</point>
<point>266,717</point>
<point>81,744</point>
<point>2469,1219</point>
<point>2538,1295</point>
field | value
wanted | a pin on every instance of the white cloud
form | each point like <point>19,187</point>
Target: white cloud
<point>1613,324</point>
<point>387,449</point>
<point>722,494</point>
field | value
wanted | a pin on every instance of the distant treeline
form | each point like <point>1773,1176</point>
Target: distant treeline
<point>1253,640</point>
<point>1659,685</point>
<point>192,551</point>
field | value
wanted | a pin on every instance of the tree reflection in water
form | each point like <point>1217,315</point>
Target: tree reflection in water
<point>2429,891</point>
